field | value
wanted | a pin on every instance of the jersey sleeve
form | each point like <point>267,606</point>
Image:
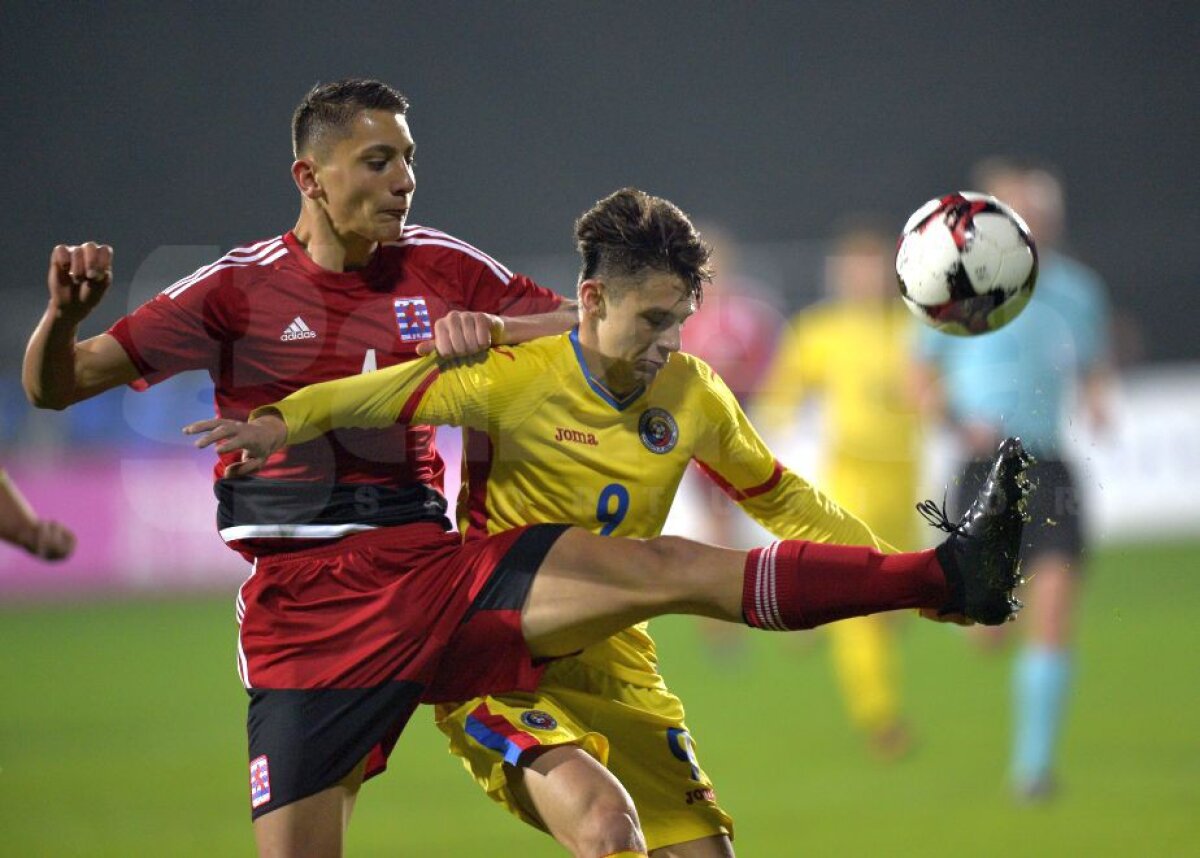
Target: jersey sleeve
<point>492,395</point>
<point>184,327</point>
<point>734,456</point>
<point>492,288</point>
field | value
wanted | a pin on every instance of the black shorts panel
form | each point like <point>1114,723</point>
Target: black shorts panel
<point>302,741</point>
<point>1055,511</point>
<point>508,588</point>
<point>487,653</point>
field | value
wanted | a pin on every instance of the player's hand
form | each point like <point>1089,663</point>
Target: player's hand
<point>49,540</point>
<point>257,439</point>
<point>79,276</point>
<point>938,617</point>
<point>463,333</point>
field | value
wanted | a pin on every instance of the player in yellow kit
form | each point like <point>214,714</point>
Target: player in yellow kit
<point>852,353</point>
<point>595,429</point>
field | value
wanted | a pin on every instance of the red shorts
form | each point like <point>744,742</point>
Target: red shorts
<point>339,643</point>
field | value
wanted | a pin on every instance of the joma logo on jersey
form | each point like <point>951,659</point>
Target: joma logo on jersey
<point>575,436</point>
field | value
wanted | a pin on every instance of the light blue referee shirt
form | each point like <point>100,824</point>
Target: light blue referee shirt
<point>1019,377</point>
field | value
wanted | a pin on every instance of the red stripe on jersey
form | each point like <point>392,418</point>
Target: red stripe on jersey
<point>740,495</point>
<point>477,454</point>
<point>501,727</point>
<point>410,407</point>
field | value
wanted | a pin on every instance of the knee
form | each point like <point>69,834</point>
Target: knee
<point>609,824</point>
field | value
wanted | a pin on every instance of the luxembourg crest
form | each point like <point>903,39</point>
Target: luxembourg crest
<point>260,781</point>
<point>658,430</point>
<point>412,318</point>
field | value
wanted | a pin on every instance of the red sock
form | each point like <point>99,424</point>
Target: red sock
<point>801,585</point>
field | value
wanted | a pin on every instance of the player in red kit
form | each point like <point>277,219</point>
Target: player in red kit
<point>350,289</point>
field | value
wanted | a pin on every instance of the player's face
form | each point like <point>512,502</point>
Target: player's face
<point>640,328</point>
<point>860,269</point>
<point>1037,198</point>
<point>367,177</point>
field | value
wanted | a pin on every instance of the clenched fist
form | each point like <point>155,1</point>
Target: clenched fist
<point>79,276</point>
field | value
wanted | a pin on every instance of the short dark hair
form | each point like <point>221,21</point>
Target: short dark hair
<point>863,229</point>
<point>630,231</point>
<point>990,169</point>
<point>329,108</point>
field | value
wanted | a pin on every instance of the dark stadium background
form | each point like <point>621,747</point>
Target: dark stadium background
<point>163,130</point>
<point>166,124</point>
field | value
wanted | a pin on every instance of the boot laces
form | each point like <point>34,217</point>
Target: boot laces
<point>938,517</point>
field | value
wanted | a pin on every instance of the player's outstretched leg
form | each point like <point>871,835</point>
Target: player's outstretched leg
<point>589,587</point>
<point>980,556</point>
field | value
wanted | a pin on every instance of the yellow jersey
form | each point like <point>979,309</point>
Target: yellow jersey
<point>555,445</point>
<point>857,357</point>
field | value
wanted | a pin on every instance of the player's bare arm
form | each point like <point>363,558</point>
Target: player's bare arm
<point>20,525</point>
<point>462,333</point>
<point>59,371</point>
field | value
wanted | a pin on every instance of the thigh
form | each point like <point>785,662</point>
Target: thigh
<point>651,752</point>
<point>485,650</point>
<point>562,786</point>
<point>497,736</point>
<point>314,826</point>
<point>335,659</point>
<point>304,741</point>
<point>1055,525</point>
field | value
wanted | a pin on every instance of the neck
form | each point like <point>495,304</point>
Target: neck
<point>330,249</point>
<point>615,375</point>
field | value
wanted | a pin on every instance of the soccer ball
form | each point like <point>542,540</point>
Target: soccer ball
<point>966,263</point>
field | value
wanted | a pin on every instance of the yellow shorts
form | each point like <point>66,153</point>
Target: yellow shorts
<point>637,732</point>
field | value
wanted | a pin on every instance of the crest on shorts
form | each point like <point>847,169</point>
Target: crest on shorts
<point>260,781</point>
<point>538,720</point>
<point>658,430</point>
<point>412,318</point>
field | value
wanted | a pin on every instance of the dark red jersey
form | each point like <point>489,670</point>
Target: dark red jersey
<point>265,320</point>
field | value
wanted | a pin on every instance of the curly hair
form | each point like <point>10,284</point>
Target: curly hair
<point>630,231</point>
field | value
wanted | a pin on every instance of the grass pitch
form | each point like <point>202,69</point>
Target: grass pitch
<point>122,734</point>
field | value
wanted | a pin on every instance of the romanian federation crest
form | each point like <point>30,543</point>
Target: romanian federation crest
<point>538,720</point>
<point>658,430</point>
<point>412,318</point>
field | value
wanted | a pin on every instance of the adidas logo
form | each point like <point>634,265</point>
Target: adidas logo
<point>297,330</point>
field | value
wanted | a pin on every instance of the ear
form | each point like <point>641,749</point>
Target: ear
<point>592,298</point>
<point>304,174</point>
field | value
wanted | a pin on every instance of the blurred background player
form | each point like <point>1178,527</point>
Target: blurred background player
<point>20,525</point>
<point>1020,380</point>
<point>734,332</point>
<point>851,353</point>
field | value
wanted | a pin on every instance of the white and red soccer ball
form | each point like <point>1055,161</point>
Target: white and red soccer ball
<point>966,263</point>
